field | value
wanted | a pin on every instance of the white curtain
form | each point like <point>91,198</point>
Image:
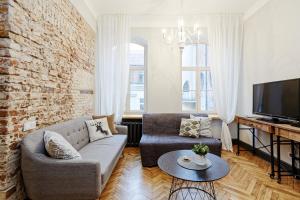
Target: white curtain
<point>225,34</point>
<point>112,68</point>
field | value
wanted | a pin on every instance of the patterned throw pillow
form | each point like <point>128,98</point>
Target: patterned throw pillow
<point>110,120</point>
<point>189,128</point>
<point>58,147</point>
<point>205,125</point>
<point>98,129</point>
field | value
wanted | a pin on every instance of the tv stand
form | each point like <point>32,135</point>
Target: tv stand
<point>285,134</point>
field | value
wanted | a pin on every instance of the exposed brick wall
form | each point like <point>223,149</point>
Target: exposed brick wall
<point>47,56</point>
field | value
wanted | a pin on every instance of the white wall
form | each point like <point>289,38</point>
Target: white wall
<point>271,52</point>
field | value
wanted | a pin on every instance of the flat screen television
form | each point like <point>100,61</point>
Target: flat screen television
<point>279,100</point>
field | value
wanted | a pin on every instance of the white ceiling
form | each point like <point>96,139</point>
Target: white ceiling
<point>168,7</point>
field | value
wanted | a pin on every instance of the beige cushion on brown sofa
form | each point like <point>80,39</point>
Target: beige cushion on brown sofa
<point>205,125</point>
<point>110,120</point>
<point>189,128</point>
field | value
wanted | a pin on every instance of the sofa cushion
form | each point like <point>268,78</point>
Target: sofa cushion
<point>58,147</point>
<point>110,120</point>
<point>205,125</point>
<point>177,140</point>
<point>74,131</point>
<point>166,123</point>
<point>153,146</point>
<point>106,151</point>
<point>98,129</point>
<point>189,128</point>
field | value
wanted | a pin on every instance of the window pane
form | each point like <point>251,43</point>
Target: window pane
<point>206,96</point>
<point>202,55</point>
<point>205,81</point>
<point>136,91</point>
<point>136,55</point>
<point>207,101</point>
<point>189,91</point>
<point>189,56</point>
<point>208,57</point>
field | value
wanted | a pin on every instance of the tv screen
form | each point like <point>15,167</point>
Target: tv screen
<point>279,99</point>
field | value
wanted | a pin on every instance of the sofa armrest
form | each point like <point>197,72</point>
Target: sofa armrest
<point>46,178</point>
<point>122,129</point>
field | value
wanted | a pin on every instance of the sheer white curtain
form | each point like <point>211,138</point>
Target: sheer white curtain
<point>225,34</point>
<point>112,68</point>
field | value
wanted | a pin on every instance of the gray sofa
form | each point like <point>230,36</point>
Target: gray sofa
<point>53,179</point>
<point>161,135</point>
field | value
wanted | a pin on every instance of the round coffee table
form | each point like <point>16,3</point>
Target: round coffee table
<point>192,184</point>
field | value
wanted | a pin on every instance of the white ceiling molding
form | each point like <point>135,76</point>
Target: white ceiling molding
<point>253,9</point>
<point>168,7</point>
<point>87,13</point>
<point>91,8</point>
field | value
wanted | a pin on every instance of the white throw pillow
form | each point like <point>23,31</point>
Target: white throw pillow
<point>205,125</point>
<point>58,147</point>
<point>98,129</point>
<point>189,128</point>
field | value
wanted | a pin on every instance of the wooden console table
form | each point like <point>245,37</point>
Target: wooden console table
<point>290,134</point>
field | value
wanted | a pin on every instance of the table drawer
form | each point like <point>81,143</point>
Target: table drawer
<point>262,127</point>
<point>288,134</point>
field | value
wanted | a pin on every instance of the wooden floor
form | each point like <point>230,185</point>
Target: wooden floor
<point>248,179</point>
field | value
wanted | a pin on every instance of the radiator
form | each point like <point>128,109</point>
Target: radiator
<point>134,131</point>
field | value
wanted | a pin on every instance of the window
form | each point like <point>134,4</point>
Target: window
<point>197,93</point>
<point>136,93</point>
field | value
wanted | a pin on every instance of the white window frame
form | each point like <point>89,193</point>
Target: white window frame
<point>197,69</point>
<point>137,68</point>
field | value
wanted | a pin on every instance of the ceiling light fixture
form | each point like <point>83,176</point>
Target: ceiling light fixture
<point>183,34</point>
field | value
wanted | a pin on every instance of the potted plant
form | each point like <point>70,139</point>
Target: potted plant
<point>200,150</point>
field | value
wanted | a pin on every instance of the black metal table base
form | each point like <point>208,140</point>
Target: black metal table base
<point>189,190</point>
<point>277,142</point>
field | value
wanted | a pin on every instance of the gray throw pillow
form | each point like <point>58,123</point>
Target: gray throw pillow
<point>189,128</point>
<point>58,147</point>
<point>205,125</point>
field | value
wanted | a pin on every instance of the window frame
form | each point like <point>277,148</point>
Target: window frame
<point>197,69</point>
<point>133,68</point>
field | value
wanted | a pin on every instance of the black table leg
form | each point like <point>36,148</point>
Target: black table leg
<point>293,157</point>
<point>184,190</point>
<point>253,141</point>
<point>278,160</point>
<point>272,156</point>
<point>238,139</point>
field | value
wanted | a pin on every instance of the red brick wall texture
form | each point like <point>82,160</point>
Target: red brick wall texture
<point>47,61</point>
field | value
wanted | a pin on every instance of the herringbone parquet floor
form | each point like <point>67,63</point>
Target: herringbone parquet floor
<point>248,179</point>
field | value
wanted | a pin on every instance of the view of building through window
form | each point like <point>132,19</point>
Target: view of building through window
<point>136,93</point>
<point>197,93</point>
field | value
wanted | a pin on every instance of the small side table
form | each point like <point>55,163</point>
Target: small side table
<point>192,184</point>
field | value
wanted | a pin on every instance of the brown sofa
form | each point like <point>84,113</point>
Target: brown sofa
<point>161,135</point>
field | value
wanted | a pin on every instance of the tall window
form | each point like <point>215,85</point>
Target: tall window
<point>136,93</point>
<point>197,93</point>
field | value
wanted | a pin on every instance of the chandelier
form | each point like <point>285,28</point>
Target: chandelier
<point>182,35</point>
